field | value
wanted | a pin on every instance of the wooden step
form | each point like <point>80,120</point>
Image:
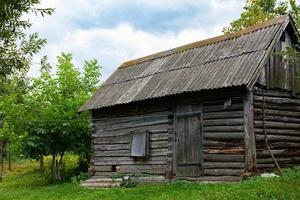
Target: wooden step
<point>101,182</point>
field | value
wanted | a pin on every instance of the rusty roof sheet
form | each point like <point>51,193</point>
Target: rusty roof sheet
<point>223,61</point>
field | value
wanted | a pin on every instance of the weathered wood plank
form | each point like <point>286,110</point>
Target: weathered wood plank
<point>214,178</point>
<point>281,132</point>
<point>278,125</point>
<point>218,143</point>
<point>233,107</point>
<point>258,117</point>
<point>223,136</point>
<point>278,138</point>
<point>223,158</point>
<point>128,161</point>
<point>223,122</point>
<point>223,115</point>
<point>223,165</point>
<point>223,172</point>
<point>223,129</point>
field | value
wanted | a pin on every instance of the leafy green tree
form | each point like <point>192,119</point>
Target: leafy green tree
<point>16,46</point>
<point>53,126</point>
<point>256,11</point>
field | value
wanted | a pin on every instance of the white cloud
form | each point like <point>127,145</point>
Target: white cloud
<point>114,45</point>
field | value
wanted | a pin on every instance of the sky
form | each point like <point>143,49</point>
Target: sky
<point>115,31</point>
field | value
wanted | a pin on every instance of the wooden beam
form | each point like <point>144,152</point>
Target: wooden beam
<point>249,137</point>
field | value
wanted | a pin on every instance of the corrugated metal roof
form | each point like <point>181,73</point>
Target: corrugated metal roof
<point>223,61</point>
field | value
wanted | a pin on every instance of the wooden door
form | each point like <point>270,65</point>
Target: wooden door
<point>189,148</point>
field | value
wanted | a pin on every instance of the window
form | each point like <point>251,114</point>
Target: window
<point>139,144</point>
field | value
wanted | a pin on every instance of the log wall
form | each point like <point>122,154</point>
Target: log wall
<point>282,123</point>
<point>223,134</point>
<point>222,129</point>
<point>112,141</point>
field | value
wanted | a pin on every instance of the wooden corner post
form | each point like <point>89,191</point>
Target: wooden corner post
<point>249,135</point>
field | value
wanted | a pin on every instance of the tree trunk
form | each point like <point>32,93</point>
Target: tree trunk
<point>9,156</point>
<point>1,161</point>
<point>41,161</point>
<point>54,167</point>
<point>58,168</point>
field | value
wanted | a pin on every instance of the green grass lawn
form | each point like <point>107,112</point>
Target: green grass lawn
<point>26,182</point>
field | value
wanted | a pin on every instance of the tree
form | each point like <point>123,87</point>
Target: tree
<point>256,11</point>
<point>16,46</point>
<point>52,124</point>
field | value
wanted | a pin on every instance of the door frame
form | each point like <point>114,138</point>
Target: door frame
<point>198,111</point>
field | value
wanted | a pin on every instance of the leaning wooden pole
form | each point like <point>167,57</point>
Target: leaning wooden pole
<point>266,135</point>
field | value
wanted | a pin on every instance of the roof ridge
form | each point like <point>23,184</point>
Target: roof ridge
<point>212,40</point>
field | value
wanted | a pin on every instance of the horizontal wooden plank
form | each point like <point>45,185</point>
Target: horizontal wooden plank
<point>277,107</point>
<point>223,129</point>
<point>128,161</point>
<point>279,160</point>
<point>225,150</point>
<point>224,136</point>
<point>131,169</point>
<point>130,126</point>
<point>282,132</point>
<point>149,169</point>
<point>214,108</point>
<point>223,115</point>
<point>127,138</point>
<point>108,147</point>
<point>263,153</point>
<point>259,117</point>
<point>272,92</point>
<point>122,153</point>
<point>223,158</point>
<point>273,167</point>
<point>278,113</point>
<point>214,178</point>
<point>218,143</point>
<point>223,165</point>
<point>279,145</point>
<point>277,138</point>
<point>223,172</point>
<point>278,100</point>
<point>223,122</point>
<point>278,125</point>
<point>161,128</point>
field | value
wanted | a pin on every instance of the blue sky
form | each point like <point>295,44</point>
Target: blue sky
<point>114,31</point>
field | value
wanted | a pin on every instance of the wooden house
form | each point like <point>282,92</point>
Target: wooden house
<point>208,110</point>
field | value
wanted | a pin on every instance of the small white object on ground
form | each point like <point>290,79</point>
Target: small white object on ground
<point>269,175</point>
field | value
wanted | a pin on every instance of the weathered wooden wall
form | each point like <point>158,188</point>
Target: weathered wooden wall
<point>112,138</point>
<point>282,123</point>
<point>281,71</point>
<point>222,129</point>
<point>223,133</point>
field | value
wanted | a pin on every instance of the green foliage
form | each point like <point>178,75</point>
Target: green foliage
<point>81,177</point>
<point>256,11</point>
<point>25,183</point>
<point>50,108</point>
<point>17,46</point>
<point>127,182</point>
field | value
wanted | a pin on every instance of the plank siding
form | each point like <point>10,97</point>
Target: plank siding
<point>282,117</point>
<point>223,137</point>
<point>112,141</point>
